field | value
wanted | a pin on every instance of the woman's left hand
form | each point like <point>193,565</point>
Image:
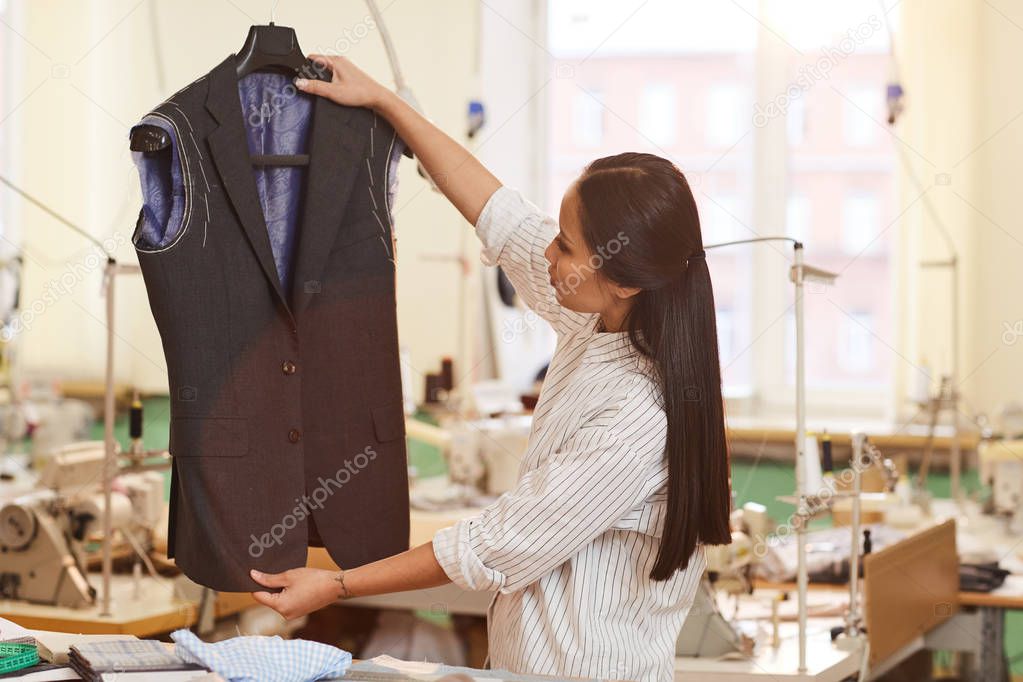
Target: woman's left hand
<point>305,590</point>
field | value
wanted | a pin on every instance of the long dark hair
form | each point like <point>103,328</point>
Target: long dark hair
<point>672,322</point>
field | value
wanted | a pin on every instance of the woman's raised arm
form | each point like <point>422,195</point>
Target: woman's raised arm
<point>457,173</point>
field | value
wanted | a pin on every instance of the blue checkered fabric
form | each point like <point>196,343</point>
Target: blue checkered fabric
<point>263,659</point>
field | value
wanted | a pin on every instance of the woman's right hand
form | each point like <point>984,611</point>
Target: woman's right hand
<point>455,171</point>
<point>349,85</point>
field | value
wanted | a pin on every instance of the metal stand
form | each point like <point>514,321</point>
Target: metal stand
<point>947,398</point>
<point>110,468</point>
<point>799,274</point>
<point>110,463</point>
<point>802,577</point>
<point>853,618</point>
<point>952,401</point>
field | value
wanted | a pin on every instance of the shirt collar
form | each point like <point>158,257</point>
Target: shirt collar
<point>608,346</point>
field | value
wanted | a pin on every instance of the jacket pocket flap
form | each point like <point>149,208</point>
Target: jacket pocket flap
<point>389,421</point>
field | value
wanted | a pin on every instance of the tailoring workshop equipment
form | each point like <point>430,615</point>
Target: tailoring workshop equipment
<point>1001,465</point>
<point>799,274</point>
<point>827,460</point>
<point>135,426</point>
<point>730,568</point>
<point>862,456</point>
<point>40,563</point>
<point>14,657</point>
<point>910,588</point>
<point>945,399</point>
<point>706,633</point>
<point>111,466</point>
<point>44,533</point>
<point>482,455</point>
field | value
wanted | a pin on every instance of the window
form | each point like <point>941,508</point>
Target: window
<point>725,113</point>
<point>860,220</point>
<point>797,217</point>
<point>841,196</point>
<point>726,332</point>
<point>719,223</point>
<point>708,94</point>
<point>855,350</point>
<point>588,118</point>
<point>795,122</point>
<point>657,116</point>
<point>859,116</point>
<point>669,86</point>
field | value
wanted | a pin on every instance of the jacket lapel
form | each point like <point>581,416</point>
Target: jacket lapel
<point>336,160</point>
<point>229,147</point>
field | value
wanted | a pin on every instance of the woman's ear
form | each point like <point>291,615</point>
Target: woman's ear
<point>624,292</point>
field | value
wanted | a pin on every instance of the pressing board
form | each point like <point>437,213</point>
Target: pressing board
<point>910,588</point>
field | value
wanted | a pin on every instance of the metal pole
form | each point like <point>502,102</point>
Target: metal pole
<point>385,38</point>
<point>802,578</point>
<point>955,465</point>
<point>859,441</point>
<point>110,275</point>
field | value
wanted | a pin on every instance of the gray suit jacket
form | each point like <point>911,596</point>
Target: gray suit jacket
<point>286,408</point>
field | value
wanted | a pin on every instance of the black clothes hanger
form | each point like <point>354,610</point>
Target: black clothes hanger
<point>271,48</point>
<point>275,48</point>
<point>266,48</point>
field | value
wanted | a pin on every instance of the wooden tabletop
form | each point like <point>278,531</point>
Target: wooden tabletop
<point>1008,596</point>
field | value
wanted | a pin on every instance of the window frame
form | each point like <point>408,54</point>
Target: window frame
<point>769,396</point>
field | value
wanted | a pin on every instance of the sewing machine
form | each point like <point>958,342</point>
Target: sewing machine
<point>1001,466</point>
<point>482,455</point>
<point>45,532</point>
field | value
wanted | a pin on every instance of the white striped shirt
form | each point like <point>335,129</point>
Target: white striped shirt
<point>570,549</point>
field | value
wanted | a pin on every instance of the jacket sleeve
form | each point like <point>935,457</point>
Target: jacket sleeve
<point>515,234</point>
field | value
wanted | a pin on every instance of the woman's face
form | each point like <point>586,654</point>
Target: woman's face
<point>574,270</point>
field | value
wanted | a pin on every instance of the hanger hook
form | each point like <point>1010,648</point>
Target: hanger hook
<point>273,11</point>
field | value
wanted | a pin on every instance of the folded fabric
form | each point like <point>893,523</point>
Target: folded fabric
<point>127,658</point>
<point>55,647</point>
<point>263,659</point>
<point>127,655</point>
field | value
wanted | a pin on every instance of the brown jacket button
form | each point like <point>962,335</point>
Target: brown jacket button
<point>294,435</point>
<point>288,367</point>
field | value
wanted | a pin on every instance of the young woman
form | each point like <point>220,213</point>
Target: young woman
<point>596,554</point>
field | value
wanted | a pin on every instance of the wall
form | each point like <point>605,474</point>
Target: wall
<point>963,134</point>
<point>998,293</point>
<point>85,72</point>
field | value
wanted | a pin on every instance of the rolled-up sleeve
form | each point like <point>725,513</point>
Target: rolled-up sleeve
<point>553,512</point>
<point>515,234</point>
